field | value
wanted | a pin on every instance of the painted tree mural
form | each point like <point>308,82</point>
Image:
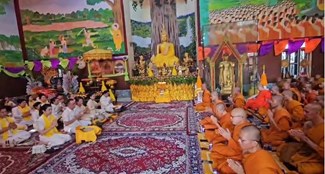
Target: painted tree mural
<point>3,3</point>
<point>163,14</point>
<point>116,6</point>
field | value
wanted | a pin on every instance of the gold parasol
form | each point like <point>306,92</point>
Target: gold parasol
<point>98,54</point>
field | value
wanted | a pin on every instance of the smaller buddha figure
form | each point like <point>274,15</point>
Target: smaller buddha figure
<point>226,75</point>
<point>150,70</point>
<point>188,61</point>
<point>142,66</point>
<point>164,70</point>
<point>165,52</point>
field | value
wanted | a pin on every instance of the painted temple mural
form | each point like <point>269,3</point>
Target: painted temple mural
<point>150,18</point>
<point>10,49</point>
<point>60,28</point>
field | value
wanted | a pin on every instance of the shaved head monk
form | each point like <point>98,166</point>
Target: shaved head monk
<point>230,149</point>
<point>256,160</point>
<point>308,153</point>
<point>220,118</point>
<point>206,100</point>
<point>294,108</point>
<point>280,121</point>
<point>238,100</point>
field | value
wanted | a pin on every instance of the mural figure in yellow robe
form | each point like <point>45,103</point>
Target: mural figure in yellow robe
<point>117,36</point>
<point>165,52</point>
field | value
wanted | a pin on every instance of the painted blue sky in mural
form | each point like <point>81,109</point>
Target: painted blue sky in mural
<point>8,21</point>
<point>59,6</point>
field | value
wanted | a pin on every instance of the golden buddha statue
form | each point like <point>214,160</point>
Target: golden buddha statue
<point>226,75</point>
<point>165,52</point>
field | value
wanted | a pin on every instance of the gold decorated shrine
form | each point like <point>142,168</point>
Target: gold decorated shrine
<point>98,54</point>
<point>163,89</point>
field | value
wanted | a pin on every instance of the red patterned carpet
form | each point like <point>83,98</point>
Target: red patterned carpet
<point>149,120</point>
<point>146,138</point>
<point>118,153</point>
<point>160,106</point>
<point>19,160</point>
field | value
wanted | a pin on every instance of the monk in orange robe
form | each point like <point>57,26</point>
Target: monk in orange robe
<point>238,100</point>
<point>320,101</point>
<point>221,152</point>
<point>215,100</point>
<point>295,108</point>
<point>280,120</point>
<point>206,101</point>
<point>222,121</point>
<point>296,93</point>
<point>220,117</point>
<point>256,160</point>
<point>261,100</point>
<point>308,154</point>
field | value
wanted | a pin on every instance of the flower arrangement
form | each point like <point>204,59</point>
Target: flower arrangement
<point>169,80</point>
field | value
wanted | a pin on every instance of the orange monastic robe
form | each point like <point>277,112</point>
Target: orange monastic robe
<point>260,162</point>
<point>308,161</point>
<point>206,101</point>
<point>221,152</point>
<point>225,122</point>
<point>210,127</point>
<point>274,136</point>
<point>261,100</point>
<point>239,101</point>
<point>297,95</point>
<point>311,97</point>
<point>297,113</point>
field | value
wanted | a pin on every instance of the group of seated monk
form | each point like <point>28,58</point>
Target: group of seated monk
<point>54,120</point>
<point>295,132</point>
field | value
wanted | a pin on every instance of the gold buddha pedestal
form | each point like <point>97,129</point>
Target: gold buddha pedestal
<point>164,95</point>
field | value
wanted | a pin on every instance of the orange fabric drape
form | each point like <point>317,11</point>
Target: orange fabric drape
<point>311,44</point>
<point>280,46</point>
<point>253,48</point>
<point>206,53</point>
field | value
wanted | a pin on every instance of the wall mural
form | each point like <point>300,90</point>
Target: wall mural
<point>148,17</point>
<point>277,19</point>
<point>10,50</point>
<point>61,28</point>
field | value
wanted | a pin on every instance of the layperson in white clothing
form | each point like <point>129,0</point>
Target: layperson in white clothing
<point>35,113</point>
<point>43,99</point>
<point>92,105</point>
<point>21,113</point>
<point>46,126</point>
<point>57,108</point>
<point>9,130</point>
<point>72,118</point>
<point>81,108</point>
<point>106,102</point>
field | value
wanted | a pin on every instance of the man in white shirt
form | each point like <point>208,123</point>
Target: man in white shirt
<point>56,107</point>
<point>106,102</point>
<point>71,118</point>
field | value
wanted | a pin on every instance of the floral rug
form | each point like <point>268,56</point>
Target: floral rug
<point>115,153</point>
<point>149,120</point>
<point>160,106</point>
<point>19,160</point>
